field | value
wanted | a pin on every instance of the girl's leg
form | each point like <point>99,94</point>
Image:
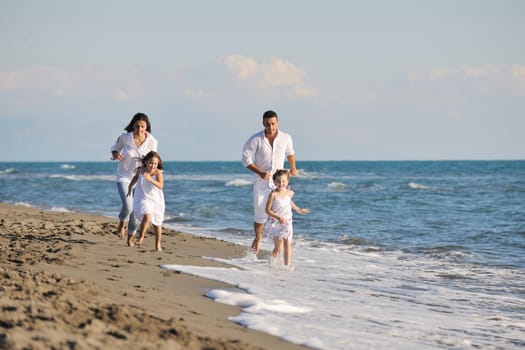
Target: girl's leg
<point>158,237</point>
<point>127,203</point>
<point>143,228</point>
<point>287,252</point>
<point>277,246</point>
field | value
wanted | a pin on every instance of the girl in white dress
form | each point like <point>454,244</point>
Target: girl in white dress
<point>279,209</point>
<point>148,198</point>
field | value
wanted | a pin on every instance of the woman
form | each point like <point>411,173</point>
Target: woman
<point>129,149</point>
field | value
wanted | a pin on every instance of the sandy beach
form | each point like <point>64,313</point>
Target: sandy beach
<point>68,282</point>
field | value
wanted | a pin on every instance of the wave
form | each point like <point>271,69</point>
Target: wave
<point>306,174</point>
<point>9,171</point>
<point>83,177</point>
<point>68,166</point>
<point>235,231</point>
<point>61,210</point>
<point>239,183</point>
<point>416,186</point>
<point>350,240</point>
<point>211,178</point>
<point>337,186</point>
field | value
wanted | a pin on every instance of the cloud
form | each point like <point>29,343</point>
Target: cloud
<point>271,73</point>
<point>211,83</point>
<point>52,82</point>
<point>487,79</point>
<point>518,71</point>
<point>120,95</point>
<point>196,94</point>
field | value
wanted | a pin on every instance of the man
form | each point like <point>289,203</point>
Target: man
<point>264,153</point>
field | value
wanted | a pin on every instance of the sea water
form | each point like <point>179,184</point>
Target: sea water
<point>398,255</point>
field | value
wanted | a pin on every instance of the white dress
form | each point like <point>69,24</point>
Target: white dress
<point>148,199</point>
<point>273,228</point>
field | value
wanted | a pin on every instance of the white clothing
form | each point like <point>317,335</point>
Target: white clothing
<point>148,199</point>
<point>261,190</point>
<point>258,150</point>
<point>131,155</point>
<point>283,208</point>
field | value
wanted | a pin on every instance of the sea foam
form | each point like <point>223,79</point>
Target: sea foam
<point>341,298</point>
<point>239,183</point>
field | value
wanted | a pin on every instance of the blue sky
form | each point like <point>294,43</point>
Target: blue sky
<point>350,80</point>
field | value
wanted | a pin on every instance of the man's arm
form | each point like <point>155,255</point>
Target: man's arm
<point>261,173</point>
<point>291,161</point>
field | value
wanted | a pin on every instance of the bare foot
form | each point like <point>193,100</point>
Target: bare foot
<point>159,249</point>
<point>139,241</point>
<point>130,241</point>
<point>121,230</point>
<point>255,246</point>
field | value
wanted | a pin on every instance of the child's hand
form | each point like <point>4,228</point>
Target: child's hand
<point>283,221</point>
<point>148,177</point>
<point>304,211</point>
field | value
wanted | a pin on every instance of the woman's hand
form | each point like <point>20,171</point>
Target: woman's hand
<point>117,156</point>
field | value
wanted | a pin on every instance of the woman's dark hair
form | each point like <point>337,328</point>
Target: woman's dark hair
<point>150,155</point>
<point>137,117</point>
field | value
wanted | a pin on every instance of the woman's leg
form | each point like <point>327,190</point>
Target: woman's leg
<point>127,203</point>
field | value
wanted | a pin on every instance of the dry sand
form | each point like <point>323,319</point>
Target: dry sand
<point>68,282</point>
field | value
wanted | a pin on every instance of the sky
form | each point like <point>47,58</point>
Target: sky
<point>349,80</point>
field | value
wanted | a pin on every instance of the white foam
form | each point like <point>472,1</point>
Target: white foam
<point>83,177</point>
<point>8,171</point>
<point>239,183</point>
<point>253,304</point>
<point>61,210</point>
<point>24,204</point>
<point>339,298</point>
<point>336,185</point>
<point>416,186</point>
<point>225,177</point>
<point>68,166</point>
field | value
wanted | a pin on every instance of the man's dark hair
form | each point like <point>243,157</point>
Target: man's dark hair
<point>269,114</point>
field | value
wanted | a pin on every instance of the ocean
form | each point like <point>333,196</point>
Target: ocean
<point>394,254</point>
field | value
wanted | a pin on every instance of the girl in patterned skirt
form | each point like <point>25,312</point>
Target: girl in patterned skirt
<point>279,209</point>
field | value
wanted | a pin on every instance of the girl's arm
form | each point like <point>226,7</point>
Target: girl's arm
<point>133,181</point>
<point>301,211</point>
<point>158,182</point>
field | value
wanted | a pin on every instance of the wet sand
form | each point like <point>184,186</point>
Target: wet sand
<point>68,282</point>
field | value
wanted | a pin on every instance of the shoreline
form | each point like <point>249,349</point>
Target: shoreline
<point>68,281</point>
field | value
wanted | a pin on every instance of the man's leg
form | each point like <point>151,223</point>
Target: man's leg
<point>258,228</point>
